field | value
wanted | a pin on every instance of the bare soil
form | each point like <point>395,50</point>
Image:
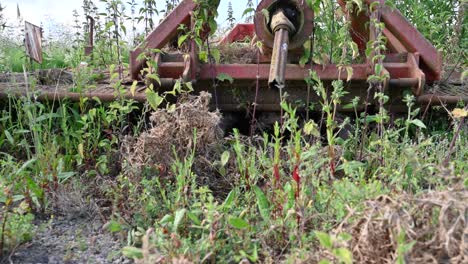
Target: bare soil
<point>70,240</point>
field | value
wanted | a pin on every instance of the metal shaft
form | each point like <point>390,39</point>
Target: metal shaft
<point>279,59</point>
<point>282,28</point>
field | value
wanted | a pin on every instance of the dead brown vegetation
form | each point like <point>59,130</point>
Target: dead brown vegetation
<point>175,133</point>
<point>434,225</point>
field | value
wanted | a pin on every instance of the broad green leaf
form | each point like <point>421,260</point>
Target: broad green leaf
<point>262,203</point>
<point>311,128</point>
<point>418,123</point>
<point>179,216</point>
<point>194,218</point>
<point>225,77</point>
<point>9,137</point>
<point>203,56</point>
<point>230,198</point>
<point>216,55</point>
<point>349,71</point>
<point>25,165</point>
<point>182,40</point>
<point>344,255</point>
<point>247,11</point>
<point>133,88</point>
<point>306,56</point>
<point>225,158</point>
<point>291,196</point>
<point>166,219</point>
<point>355,49</point>
<point>114,226</point>
<point>266,14</point>
<point>189,86</point>
<point>153,99</point>
<point>324,239</point>
<point>81,150</point>
<point>238,223</point>
<point>132,252</point>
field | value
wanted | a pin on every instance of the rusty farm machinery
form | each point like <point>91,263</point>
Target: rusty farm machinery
<point>410,62</point>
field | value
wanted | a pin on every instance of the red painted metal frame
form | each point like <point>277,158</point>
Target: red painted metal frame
<point>163,33</point>
<point>404,41</point>
<point>401,35</point>
<point>294,72</point>
<point>239,33</point>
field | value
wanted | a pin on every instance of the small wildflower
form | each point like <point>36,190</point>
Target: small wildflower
<point>459,113</point>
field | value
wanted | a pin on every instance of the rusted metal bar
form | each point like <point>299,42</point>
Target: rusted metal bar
<point>404,82</point>
<point>295,72</point>
<point>292,72</point>
<point>52,96</point>
<point>433,99</point>
<point>279,59</point>
<point>393,43</point>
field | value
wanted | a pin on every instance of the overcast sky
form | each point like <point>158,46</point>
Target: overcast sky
<point>36,11</point>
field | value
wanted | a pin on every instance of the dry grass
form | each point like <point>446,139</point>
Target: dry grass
<point>173,133</point>
<point>436,222</point>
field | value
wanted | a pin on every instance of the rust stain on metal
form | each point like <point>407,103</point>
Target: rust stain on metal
<point>33,41</point>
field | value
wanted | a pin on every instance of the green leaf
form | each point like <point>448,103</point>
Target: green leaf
<point>463,75</point>
<point>349,71</point>
<point>311,128</point>
<point>225,77</point>
<point>247,11</point>
<point>262,203</point>
<point>314,5</point>
<point>189,86</point>
<point>9,137</point>
<point>153,99</point>
<point>203,56</point>
<point>182,40</point>
<point>133,88</point>
<point>216,55</point>
<point>324,261</point>
<point>378,69</point>
<point>166,219</point>
<point>418,123</point>
<point>345,236</point>
<point>114,226</point>
<point>230,198</point>
<point>306,56</point>
<point>132,252</point>
<point>225,158</point>
<point>25,165</point>
<point>194,218</point>
<point>344,255</point>
<point>266,14</point>
<point>238,223</point>
<point>324,239</point>
<point>291,196</point>
<point>179,216</point>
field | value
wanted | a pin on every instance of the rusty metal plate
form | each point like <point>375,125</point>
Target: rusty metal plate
<point>33,41</point>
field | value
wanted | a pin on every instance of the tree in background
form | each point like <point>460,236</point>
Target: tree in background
<point>2,21</point>
<point>230,18</point>
<point>249,10</point>
<point>147,13</point>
